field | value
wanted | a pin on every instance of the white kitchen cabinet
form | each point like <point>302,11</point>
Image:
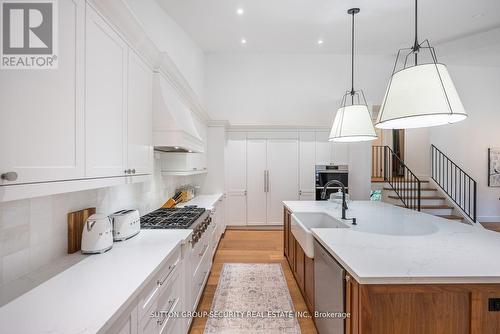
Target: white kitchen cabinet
<point>106,99</point>
<point>272,177</point>
<point>139,116</point>
<point>340,153</point>
<point>283,176</point>
<point>307,161</point>
<point>127,324</point>
<point>42,111</point>
<point>328,152</point>
<point>256,181</point>
<point>236,180</point>
<point>323,148</point>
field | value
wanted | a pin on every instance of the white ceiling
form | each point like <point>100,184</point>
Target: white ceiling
<point>294,26</point>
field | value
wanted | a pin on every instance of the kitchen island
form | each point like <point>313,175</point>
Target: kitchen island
<point>406,271</point>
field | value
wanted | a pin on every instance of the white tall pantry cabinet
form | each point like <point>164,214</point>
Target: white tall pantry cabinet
<point>236,183</point>
<point>307,162</point>
<point>272,177</point>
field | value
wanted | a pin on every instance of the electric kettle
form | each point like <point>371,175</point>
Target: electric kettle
<point>97,234</point>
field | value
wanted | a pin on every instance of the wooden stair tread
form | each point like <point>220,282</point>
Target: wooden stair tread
<point>451,217</point>
<point>409,189</point>
<point>421,197</point>
<point>378,180</point>
<point>440,206</point>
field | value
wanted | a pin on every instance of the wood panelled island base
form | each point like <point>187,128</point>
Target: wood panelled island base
<point>405,308</point>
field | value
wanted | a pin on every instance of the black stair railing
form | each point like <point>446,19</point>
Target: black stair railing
<point>387,165</point>
<point>455,182</point>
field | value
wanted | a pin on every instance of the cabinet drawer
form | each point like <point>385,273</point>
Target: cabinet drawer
<point>153,288</point>
<point>199,277</point>
<point>169,301</point>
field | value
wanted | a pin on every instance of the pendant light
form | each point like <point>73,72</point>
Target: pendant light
<point>419,94</point>
<point>352,121</point>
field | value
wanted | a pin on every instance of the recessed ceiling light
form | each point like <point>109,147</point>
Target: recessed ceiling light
<point>320,41</point>
<point>243,41</point>
<point>240,11</point>
<point>477,15</point>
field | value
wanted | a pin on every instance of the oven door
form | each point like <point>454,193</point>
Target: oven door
<point>324,176</point>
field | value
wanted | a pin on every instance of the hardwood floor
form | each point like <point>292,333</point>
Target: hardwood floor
<point>492,226</point>
<point>251,247</point>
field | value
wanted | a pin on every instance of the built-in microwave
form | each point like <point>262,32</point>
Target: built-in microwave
<point>326,173</point>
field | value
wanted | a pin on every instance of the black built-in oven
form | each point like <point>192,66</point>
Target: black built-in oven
<point>326,173</point>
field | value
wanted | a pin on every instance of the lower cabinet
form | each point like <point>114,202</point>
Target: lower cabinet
<point>302,266</point>
<point>403,308</point>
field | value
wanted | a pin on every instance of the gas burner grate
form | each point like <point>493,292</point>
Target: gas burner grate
<point>173,218</point>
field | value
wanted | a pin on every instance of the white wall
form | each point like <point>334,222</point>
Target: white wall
<point>170,38</point>
<point>33,232</point>
<point>417,151</point>
<point>467,142</point>
<point>287,89</point>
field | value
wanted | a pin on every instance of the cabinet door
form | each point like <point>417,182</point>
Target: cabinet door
<point>236,179</point>
<point>307,196</point>
<point>286,231</point>
<point>309,282</point>
<point>283,183</point>
<point>307,161</point>
<point>42,111</point>
<point>299,266</point>
<point>256,175</point>
<point>340,153</point>
<point>105,112</point>
<point>323,148</point>
<point>139,116</point>
<point>291,250</point>
<point>352,305</point>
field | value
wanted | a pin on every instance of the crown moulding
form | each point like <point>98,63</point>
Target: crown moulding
<point>122,18</point>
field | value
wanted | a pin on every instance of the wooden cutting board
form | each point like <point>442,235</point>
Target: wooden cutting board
<point>76,221</point>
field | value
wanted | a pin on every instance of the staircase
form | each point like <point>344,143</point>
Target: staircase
<point>401,187</point>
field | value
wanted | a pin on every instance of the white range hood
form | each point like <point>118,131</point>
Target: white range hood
<point>174,129</point>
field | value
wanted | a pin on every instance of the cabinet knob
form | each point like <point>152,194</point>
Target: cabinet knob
<point>133,171</point>
<point>10,176</point>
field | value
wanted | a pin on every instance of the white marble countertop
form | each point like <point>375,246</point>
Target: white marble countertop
<point>393,245</point>
<point>203,201</point>
<point>88,296</point>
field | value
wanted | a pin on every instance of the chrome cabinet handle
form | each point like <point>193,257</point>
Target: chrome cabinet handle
<point>9,176</point>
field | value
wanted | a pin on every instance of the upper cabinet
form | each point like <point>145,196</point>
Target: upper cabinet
<point>89,118</point>
<point>42,124</point>
<point>106,99</point>
<point>328,152</point>
<point>307,159</point>
<point>139,116</point>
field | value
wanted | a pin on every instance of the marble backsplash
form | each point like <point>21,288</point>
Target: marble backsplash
<point>33,232</point>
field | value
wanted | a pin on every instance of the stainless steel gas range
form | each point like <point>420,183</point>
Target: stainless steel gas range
<point>197,256</point>
<point>188,217</point>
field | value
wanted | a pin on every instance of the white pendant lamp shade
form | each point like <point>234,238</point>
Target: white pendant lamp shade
<point>352,123</point>
<point>420,96</point>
